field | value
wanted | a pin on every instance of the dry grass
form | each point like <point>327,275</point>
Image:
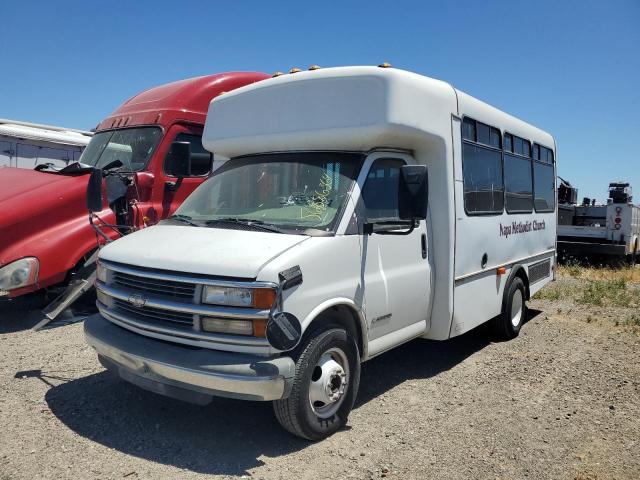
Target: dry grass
<point>601,272</point>
<point>597,293</point>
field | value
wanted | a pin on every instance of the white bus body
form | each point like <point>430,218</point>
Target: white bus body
<point>468,262</point>
<point>26,145</point>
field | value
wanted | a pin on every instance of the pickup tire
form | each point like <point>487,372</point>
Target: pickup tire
<point>324,387</point>
<point>514,311</point>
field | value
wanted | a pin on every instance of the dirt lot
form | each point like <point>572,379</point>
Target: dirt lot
<point>560,401</point>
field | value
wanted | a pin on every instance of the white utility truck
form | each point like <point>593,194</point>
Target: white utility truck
<point>612,229</point>
<point>26,145</point>
<point>313,249</point>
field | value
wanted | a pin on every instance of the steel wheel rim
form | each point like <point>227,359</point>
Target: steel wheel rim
<point>516,308</point>
<point>329,383</point>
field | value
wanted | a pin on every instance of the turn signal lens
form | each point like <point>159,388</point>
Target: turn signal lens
<point>260,328</point>
<point>263,298</point>
<point>501,270</point>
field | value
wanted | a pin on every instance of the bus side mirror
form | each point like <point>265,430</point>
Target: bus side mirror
<point>94,191</point>
<point>413,192</point>
<point>178,161</point>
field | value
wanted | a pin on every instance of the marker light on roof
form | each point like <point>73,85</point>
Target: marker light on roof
<point>385,65</point>
<point>277,74</point>
<point>294,70</point>
<point>314,67</point>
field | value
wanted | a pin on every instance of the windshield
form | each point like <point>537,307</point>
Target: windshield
<point>132,146</point>
<point>291,191</point>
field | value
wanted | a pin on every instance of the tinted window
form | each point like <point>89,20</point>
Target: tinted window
<point>518,185</point>
<point>201,159</point>
<point>518,146</point>
<point>508,143</point>
<point>495,138</point>
<point>544,186</point>
<point>482,172</point>
<point>469,129</point>
<point>483,133</point>
<point>379,200</point>
<point>549,155</point>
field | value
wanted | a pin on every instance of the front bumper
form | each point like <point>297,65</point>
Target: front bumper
<point>192,374</point>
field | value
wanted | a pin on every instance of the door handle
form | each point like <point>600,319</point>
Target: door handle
<point>423,241</point>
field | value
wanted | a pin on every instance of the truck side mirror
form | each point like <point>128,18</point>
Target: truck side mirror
<point>413,192</point>
<point>94,191</point>
<point>178,161</point>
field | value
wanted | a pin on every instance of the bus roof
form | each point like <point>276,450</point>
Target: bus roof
<point>345,108</point>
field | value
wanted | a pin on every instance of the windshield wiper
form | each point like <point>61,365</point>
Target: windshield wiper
<point>257,224</point>
<point>184,219</point>
<point>74,168</point>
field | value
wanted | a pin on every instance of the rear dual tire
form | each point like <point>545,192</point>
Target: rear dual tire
<point>325,385</point>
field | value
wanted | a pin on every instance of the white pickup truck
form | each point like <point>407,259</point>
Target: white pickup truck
<point>361,208</point>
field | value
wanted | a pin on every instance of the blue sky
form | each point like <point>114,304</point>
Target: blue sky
<point>569,67</point>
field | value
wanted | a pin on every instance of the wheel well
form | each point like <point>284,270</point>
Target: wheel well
<point>520,272</point>
<point>346,317</point>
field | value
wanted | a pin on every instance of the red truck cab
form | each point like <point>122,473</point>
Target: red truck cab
<point>45,234</point>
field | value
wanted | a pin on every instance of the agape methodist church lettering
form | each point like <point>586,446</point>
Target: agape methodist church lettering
<point>521,227</point>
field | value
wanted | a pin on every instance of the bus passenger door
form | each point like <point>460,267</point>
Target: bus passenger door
<point>396,271</point>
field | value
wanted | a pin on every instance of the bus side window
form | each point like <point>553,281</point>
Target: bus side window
<point>544,187</point>
<point>517,177</point>
<point>482,169</point>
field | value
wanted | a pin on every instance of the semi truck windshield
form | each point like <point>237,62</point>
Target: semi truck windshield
<point>132,146</point>
<point>292,191</point>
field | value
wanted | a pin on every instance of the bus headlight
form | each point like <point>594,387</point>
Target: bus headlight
<point>21,273</point>
<point>223,325</point>
<point>101,272</point>
<point>260,298</point>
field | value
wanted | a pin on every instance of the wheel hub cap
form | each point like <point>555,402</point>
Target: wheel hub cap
<point>516,308</point>
<point>328,384</point>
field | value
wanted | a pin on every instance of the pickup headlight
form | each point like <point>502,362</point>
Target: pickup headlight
<point>261,298</point>
<point>21,273</point>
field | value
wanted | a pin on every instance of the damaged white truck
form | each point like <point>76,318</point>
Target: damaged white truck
<point>361,208</point>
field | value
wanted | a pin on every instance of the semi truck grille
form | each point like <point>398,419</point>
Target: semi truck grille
<point>157,316</point>
<point>155,287</point>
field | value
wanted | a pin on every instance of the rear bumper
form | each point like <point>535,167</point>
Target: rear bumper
<point>192,374</point>
<point>583,248</point>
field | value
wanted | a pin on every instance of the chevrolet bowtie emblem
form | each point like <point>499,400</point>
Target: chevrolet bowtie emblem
<point>137,300</point>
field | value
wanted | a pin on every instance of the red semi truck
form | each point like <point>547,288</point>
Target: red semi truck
<point>45,235</point>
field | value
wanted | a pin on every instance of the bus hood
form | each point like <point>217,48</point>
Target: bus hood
<point>201,250</point>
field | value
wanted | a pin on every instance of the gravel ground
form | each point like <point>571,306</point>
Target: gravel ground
<point>560,401</point>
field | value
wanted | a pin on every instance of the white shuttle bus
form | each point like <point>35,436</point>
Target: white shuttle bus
<point>361,208</point>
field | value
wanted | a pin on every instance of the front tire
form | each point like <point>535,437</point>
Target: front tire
<point>507,325</point>
<point>324,388</point>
